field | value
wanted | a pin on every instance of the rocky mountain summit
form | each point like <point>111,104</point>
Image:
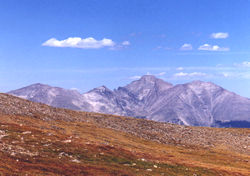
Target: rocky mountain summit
<point>194,104</point>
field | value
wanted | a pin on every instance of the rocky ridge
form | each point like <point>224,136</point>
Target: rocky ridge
<point>193,104</point>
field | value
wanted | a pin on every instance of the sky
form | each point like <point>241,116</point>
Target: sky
<point>86,44</point>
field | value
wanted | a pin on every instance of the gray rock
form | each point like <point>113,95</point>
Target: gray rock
<point>194,104</point>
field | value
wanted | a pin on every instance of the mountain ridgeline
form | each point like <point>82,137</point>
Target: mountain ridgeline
<point>194,104</point>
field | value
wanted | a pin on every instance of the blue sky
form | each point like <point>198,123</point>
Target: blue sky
<point>86,44</point>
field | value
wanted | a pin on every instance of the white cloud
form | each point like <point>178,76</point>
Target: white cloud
<point>125,43</point>
<point>186,47</point>
<point>237,75</point>
<point>135,77</point>
<point>207,47</point>
<point>162,48</point>
<point>76,89</point>
<point>226,75</point>
<point>193,74</point>
<point>180,74</point>
<point>160,74</point>
<point>220,35</point>
<point>180,68</point>
<point>77,42</point>
<point>245,64</point>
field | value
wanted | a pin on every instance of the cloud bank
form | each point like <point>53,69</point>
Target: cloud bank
<point>125,43</point>
<point>193,74</point>
<point>84,43</point>
<point>186,47</point>
<point>208,47</point>
<point>245,64</point>
<point>220,35</point>
<point>134,77</point>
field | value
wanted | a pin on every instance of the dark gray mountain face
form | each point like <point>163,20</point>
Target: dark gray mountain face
<point>196,104</point>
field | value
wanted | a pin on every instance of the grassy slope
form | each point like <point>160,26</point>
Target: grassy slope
<point>36,147</point>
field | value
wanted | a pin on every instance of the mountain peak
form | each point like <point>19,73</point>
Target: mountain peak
<point>147,81</point>
<point>38,85</point>
<point>147,86</point>
<point>153,80</point>
<point>148,78</point>
<point>200,86</point>
<point>101,89</point>
<point>198,83</point>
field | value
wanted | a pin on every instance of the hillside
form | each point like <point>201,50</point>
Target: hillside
<point>193,104</point>
<point>36,139</point>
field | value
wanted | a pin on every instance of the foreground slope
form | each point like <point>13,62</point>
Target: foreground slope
<point>37,139</point>
<point>193,104</point>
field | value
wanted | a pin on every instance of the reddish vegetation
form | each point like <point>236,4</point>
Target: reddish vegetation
<point>36,139</point>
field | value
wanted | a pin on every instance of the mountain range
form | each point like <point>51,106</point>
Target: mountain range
<point>193,104</point>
